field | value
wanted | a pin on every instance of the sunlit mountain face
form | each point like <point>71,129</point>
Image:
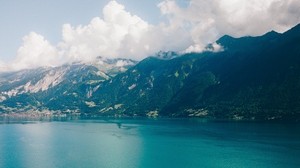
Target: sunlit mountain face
<point>37,89</point>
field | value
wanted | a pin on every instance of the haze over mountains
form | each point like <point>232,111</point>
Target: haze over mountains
<point>251,78</point>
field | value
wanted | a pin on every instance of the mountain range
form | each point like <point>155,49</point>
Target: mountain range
<point>252,78</point>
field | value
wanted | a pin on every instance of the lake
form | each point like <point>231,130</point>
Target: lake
<point>146,143</point>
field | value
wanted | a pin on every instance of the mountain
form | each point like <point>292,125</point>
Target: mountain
<point>61,88</point>
<point>252,78</point>
<point>166,55</point>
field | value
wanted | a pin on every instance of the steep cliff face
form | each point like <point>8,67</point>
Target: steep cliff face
<point>63,88</point>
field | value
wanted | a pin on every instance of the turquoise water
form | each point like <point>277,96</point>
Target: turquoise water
<point>148,144</point>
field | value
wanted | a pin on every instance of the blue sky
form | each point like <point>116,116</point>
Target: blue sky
<point>52,32</point>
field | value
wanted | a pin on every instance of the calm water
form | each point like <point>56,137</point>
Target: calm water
<point>148,144</point>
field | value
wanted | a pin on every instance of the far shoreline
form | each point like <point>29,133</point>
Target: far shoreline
<point>7,118</point>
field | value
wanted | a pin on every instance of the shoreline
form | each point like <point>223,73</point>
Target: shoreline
<point>48,117</point>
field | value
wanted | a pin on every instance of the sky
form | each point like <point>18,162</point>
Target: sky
<point>53,32</point>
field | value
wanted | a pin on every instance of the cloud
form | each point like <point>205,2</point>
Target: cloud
<point>208,20</point>
<point>35,52</point>
<point>184,29</point>
<point>120,34</point>
<point>117,34</point>
<point>188,29</point>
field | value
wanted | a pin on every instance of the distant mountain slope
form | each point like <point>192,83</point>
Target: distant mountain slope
<point>253,78</point>
<point>61,88</point>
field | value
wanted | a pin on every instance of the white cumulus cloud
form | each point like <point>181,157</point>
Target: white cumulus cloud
<point>35,52</point>
<point>184,29</point>
<point>207,20</point>
<point>109,37</point>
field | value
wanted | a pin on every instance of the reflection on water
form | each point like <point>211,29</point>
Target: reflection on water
<point>148,143</point>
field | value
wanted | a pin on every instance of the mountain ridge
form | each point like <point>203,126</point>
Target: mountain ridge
<point>253,78</point>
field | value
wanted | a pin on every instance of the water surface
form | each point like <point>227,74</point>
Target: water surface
<point>128,143</point>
